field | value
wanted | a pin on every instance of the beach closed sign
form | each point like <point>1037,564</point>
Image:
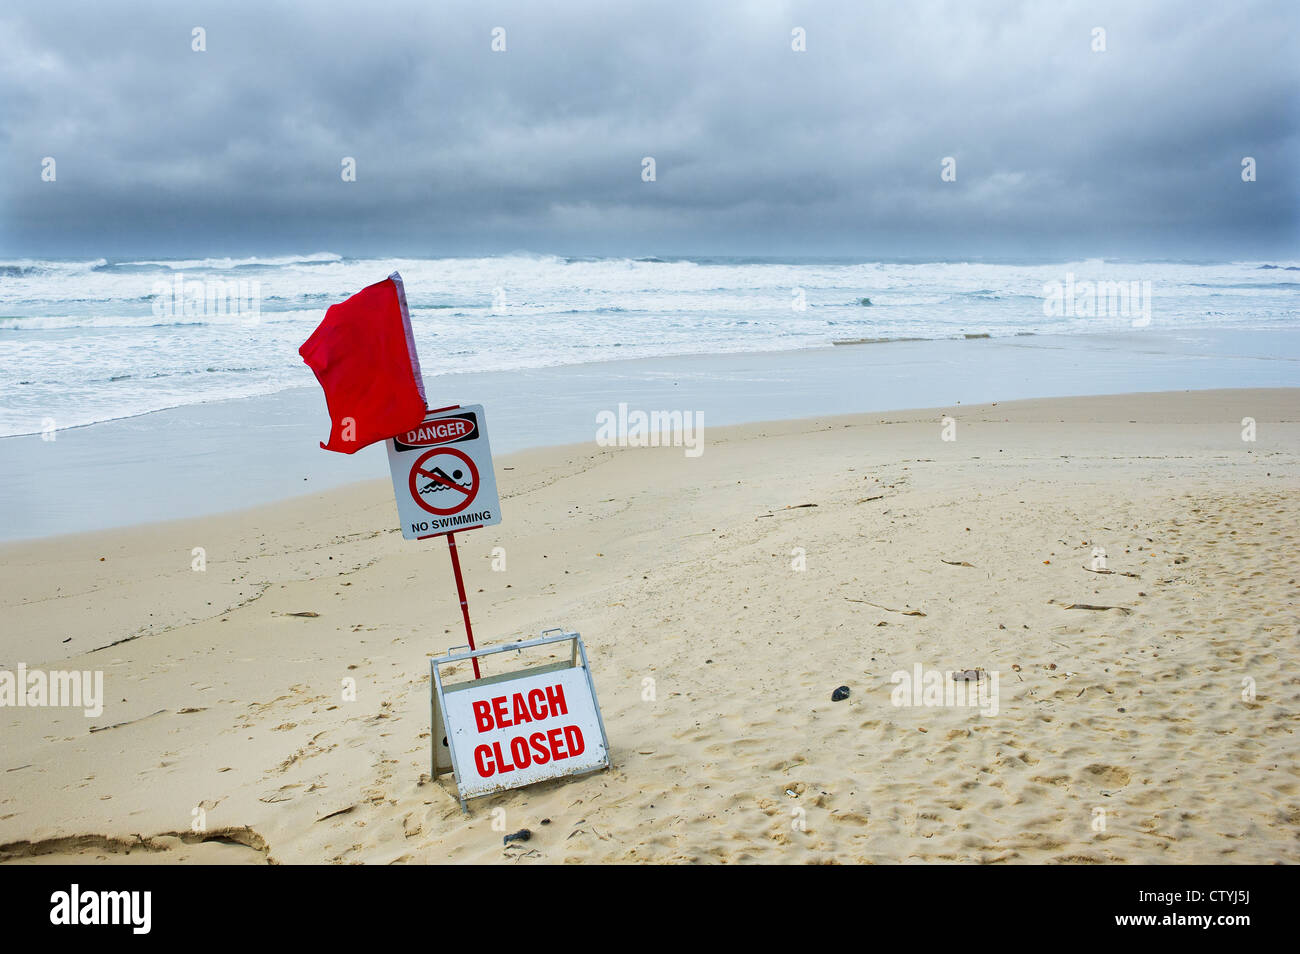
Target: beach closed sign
<point>516,728</point>
<point>521,730</point>
<point>442,474</point>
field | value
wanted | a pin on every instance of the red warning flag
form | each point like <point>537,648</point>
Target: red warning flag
<point>364,358</point>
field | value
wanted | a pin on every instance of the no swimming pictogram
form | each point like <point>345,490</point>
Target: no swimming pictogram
<point>444,481</point>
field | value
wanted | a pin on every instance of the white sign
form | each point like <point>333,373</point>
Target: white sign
<point>442,474</point>
<point>514,729</point>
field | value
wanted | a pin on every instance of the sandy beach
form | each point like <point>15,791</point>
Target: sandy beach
<point>1146,704</point>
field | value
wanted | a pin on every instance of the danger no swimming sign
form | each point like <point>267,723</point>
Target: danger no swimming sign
<point>442,474</point>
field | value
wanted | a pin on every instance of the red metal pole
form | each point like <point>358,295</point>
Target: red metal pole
<point>464,605</point>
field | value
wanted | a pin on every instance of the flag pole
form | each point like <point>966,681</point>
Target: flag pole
<point>464,605</point>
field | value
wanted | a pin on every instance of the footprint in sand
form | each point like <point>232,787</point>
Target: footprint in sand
<point>1109,776</point>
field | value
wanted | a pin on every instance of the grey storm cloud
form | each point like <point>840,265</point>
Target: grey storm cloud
<point>759,149</point>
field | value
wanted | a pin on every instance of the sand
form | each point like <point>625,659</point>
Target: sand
<point>1127,734</point>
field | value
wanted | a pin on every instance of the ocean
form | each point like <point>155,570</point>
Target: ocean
<point>92,341</point>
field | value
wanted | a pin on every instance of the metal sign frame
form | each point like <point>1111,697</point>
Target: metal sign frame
<point>438,702</point>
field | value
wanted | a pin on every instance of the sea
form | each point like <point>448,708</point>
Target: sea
<point>83,342</point>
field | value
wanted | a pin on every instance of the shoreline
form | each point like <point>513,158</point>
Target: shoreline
<point>222,456</point>
<point>510,460</point>
<point>312,385</point>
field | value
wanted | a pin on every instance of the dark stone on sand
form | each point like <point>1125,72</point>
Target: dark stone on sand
<point>840,694</point>
<point>522,834</point>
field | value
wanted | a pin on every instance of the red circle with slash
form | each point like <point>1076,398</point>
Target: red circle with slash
<point>440,477</point>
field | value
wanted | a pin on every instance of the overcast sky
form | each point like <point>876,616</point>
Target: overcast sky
<point>759,150</point>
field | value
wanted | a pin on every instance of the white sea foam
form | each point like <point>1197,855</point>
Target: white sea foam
<point>83,342</point>
<point>224,263</point>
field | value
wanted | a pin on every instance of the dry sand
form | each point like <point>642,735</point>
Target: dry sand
<point>680,571</point>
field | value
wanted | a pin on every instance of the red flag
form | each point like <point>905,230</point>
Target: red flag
<point>364,357</point>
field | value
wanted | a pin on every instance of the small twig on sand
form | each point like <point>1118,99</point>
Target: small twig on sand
<point>889,608</point>
<point>118,725</point>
